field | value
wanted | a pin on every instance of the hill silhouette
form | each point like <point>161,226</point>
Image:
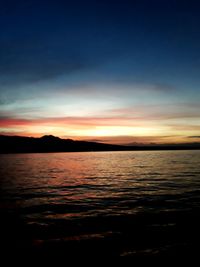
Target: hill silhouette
<point>50,143</point>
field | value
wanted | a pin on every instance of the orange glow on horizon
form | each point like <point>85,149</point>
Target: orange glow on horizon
<point>116,130</point>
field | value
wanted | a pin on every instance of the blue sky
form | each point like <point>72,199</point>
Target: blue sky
<point>107,69</point>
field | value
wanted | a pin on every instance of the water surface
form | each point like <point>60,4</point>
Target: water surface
<point>138,203</point>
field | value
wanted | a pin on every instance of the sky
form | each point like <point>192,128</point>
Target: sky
<point>108,71</point>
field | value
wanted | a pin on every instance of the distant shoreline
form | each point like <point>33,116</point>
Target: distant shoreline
<point>52,144</point>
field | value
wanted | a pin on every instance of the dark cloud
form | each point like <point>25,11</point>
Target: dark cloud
<point>164,87</point>
<point>43,40</point>
<point>5,100</point>
<point>29,61</point>
<point>36,59</point>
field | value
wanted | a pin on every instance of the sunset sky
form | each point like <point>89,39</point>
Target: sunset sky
<point>109,71</point>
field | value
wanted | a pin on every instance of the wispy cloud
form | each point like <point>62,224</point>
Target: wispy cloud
<point>176,116</point>
<point>158,112</point>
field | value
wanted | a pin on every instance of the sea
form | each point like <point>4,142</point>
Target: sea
<point>138,204</point>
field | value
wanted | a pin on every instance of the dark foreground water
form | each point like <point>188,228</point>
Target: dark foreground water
<point>104,204</point>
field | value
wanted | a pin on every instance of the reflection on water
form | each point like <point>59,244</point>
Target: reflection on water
<point>58,189</point>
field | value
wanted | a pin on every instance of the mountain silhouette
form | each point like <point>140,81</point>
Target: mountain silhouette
<point>50,143</point>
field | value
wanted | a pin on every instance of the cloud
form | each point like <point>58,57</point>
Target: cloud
<point>164,87</point>
<point>7,121</point>
<point>174,116</point>
<point>158,112</point>
<point>184,127</point>
<point>31,61</point>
